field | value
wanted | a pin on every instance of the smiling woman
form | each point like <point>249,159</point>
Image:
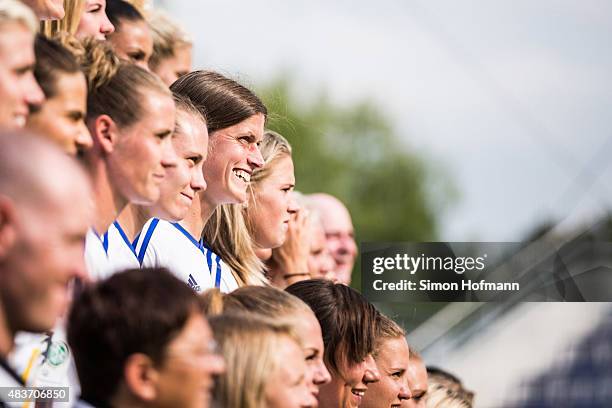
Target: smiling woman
<point>235,119</point>
<point>348,323</point>
<point>264,367</point>
<point>240,233</point>
<point>281,307</point>
<point>61,117</point>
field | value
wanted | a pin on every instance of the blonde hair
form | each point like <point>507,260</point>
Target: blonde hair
<point>265,301</point>
<point>16,11</point>
<point>141,5</point>
<point>249,345</point>
<point>439,396</point>
<point>444,390</point>
<point>69,23</point>
<point>273,147</point>
<point>167,37</point>
<point>227,234</point>
<point>229,231</point>
<point>386,329</point>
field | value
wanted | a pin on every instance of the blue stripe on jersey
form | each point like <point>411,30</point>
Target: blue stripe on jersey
<point>188,235</point>
<point>105,242</point>
<point>125,238</point>
<point>135,242</point>
<point>147,238</point>
<point>209,260</point>
<point>218,277</point>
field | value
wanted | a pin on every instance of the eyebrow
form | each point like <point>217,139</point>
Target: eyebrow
<point>25,68</point>
<point>194,155</point>
<point>163,133</point>
<point>251,136</point>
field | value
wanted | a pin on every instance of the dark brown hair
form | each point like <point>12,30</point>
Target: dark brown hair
<point>119,10</point>
<point>224,101</point>
<point>52,59</point>
<point>347,319</point>
<point>125,314</point>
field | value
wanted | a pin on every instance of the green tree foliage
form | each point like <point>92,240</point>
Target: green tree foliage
<point>353,153</point>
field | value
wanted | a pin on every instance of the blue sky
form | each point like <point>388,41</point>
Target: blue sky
<point>513,98</point>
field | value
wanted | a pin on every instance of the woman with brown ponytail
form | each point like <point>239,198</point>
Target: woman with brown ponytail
<point>130,115</point>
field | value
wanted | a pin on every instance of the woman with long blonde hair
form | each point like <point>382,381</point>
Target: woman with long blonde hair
<point>281,307</point>
<point>263,364</point>
<point>244,234</point>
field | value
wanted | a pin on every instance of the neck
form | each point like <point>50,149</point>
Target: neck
<point>263,253</point>
<point>197,217</point>
<point>109,203</point>
<point>6,334</point>
<point>125,399</point>
<point>132,219</point>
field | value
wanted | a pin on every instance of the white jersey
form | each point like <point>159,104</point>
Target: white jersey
<point>169,245</point>
<point>96,259</point>
<point>121,254</point>
<point>44,360</point>
<point>108,254</point>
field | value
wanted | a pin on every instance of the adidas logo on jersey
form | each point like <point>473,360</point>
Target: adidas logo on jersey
<point>193,284</point>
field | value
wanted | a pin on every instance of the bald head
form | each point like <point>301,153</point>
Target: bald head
<point>45,210</point>
<point>339,233</point>
<point>33,171</point>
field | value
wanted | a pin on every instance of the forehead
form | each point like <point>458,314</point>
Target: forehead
<point>60,193</point>
<point>291,357</point>
<point>16,44</point>
<point>336,217</point>
<point>394,352</point>
<point>309,329</point>
<point>281,170</point>
<point>158,110</point>
<point>192,133</point>
<point>72,87</point>
<point>137,31</point>
<point>196,331</point>
<point>253,125</point>
<point>417,375</point>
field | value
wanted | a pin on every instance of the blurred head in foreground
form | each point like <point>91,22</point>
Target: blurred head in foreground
<point>265,367</point>
<point>283,308</point>
<point>45,210</point>
<point>133,347</point>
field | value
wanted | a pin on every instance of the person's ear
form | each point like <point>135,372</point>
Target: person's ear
<point>141,376</point>
<point>105,133</point>
<point>8,228</point>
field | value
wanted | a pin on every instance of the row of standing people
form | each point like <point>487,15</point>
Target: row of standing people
<point>184,178</point>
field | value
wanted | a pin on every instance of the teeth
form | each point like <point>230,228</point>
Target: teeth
<point>20,121</point>
<point>359,393</point>
<point>243,175</point>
